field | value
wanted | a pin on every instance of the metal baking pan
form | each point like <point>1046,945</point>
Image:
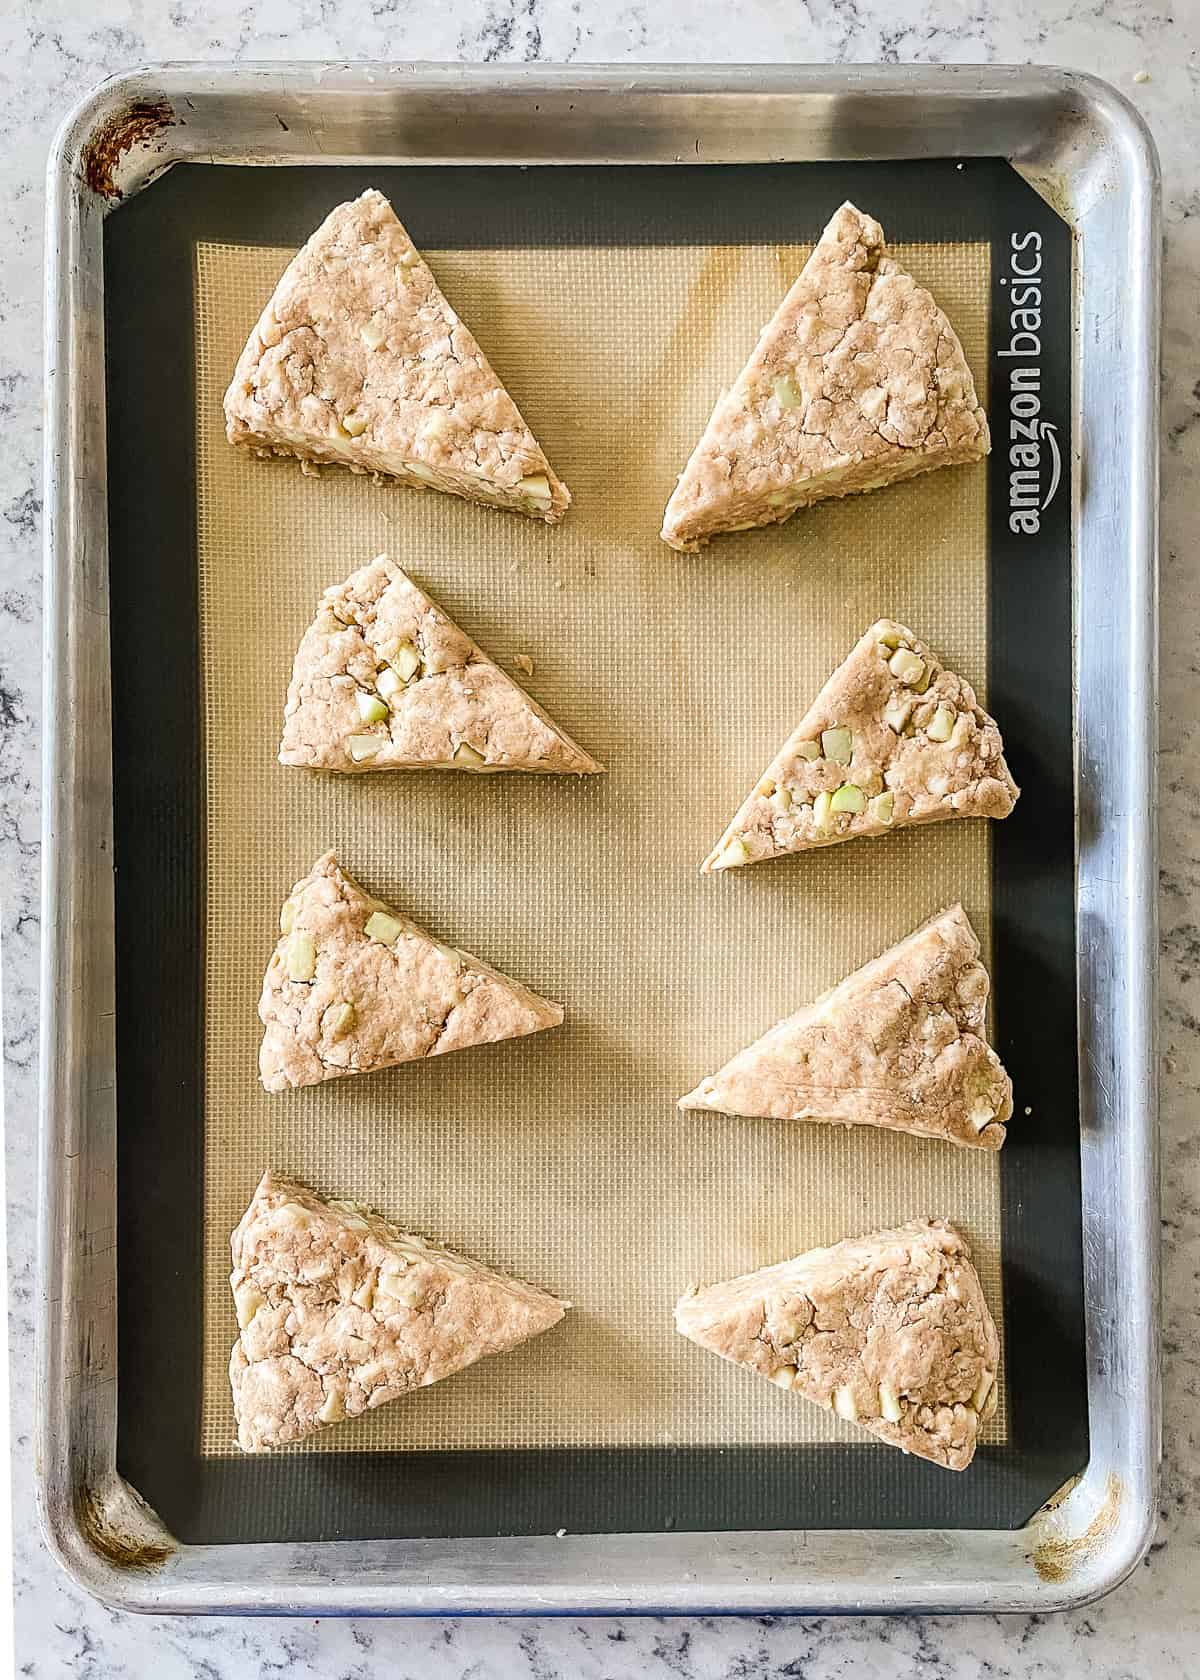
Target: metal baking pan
<point>737,1547</point>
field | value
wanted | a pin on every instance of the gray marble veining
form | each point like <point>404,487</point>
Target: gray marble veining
<point>50,50</point>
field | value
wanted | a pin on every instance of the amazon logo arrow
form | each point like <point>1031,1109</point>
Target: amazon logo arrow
<point>1048,433</point>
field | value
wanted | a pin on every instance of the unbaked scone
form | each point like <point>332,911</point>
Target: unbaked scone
<point>359,361</point>
<point>340,1311</point>
<point>352,986</point>
<point>384,680</point>
<point>891,1331</point>
<point>899,1043</point>
<point>892,739</point>
<point>857,381</point>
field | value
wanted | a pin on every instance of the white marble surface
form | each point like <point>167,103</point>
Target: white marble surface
<point>50,50</point>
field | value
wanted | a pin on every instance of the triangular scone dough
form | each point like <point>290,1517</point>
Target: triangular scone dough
<point>384,680</point>
<point>352,986</point>
<point>899,1043</point>
<point>891,1331</point>
<point>359,360</point>
<point>857,381</point>
<point>892,739</point>
<point>339,1311</point>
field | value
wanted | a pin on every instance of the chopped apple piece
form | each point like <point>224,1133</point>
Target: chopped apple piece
<point>247,1299</point>
<point>941,725</point>
<point>536,491</point>
<point>371,709</point>
<point>734,855</point>
<point>897,713</point>
<point>844,1404</point>
<point>786,393</point>
<point>301,956</point>
<point>406,662</point>
<point>333,1408</point>
<point>338,1019</point>
<point>982,1113</point>
<point>849,798</point>
<point>379,925</point>
<point>906,667</point>
<point>837,745</point>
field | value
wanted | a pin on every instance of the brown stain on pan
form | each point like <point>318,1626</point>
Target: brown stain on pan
<point>1059,1556</point>
<point>111,1531</point>
<point>137,124</point>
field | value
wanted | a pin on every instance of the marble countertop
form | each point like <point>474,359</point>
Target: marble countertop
<point>50,51</point>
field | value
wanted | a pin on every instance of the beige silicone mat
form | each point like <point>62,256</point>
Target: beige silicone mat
<point>562,1157</point>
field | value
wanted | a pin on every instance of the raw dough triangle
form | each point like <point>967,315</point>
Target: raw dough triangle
<point>891,1331</point>
<point>353,986</point>
<point>899,1043</point>
<point>893,738</point>
<point>857,381</point>
<point>359,360</point>
<point>339,1311</point>
<point>384,680</point>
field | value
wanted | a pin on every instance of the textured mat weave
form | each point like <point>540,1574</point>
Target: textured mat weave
<point>562,1158</point>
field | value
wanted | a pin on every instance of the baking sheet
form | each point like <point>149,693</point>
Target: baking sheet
<point>562,1158</point>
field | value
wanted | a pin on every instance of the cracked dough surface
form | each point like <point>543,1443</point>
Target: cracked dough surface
<point>893,751</point>
<point>893,1323</point>
<point>340,1311</point>
<point>899,1043</point>
<point>358,360</point>
<point>409,998</point>
<point>457,698</point>
<point>858,381</point>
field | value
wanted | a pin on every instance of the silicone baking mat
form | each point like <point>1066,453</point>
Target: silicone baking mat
<point>562,1158</point>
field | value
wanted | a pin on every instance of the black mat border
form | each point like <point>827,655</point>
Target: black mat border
<point>160,849</point>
